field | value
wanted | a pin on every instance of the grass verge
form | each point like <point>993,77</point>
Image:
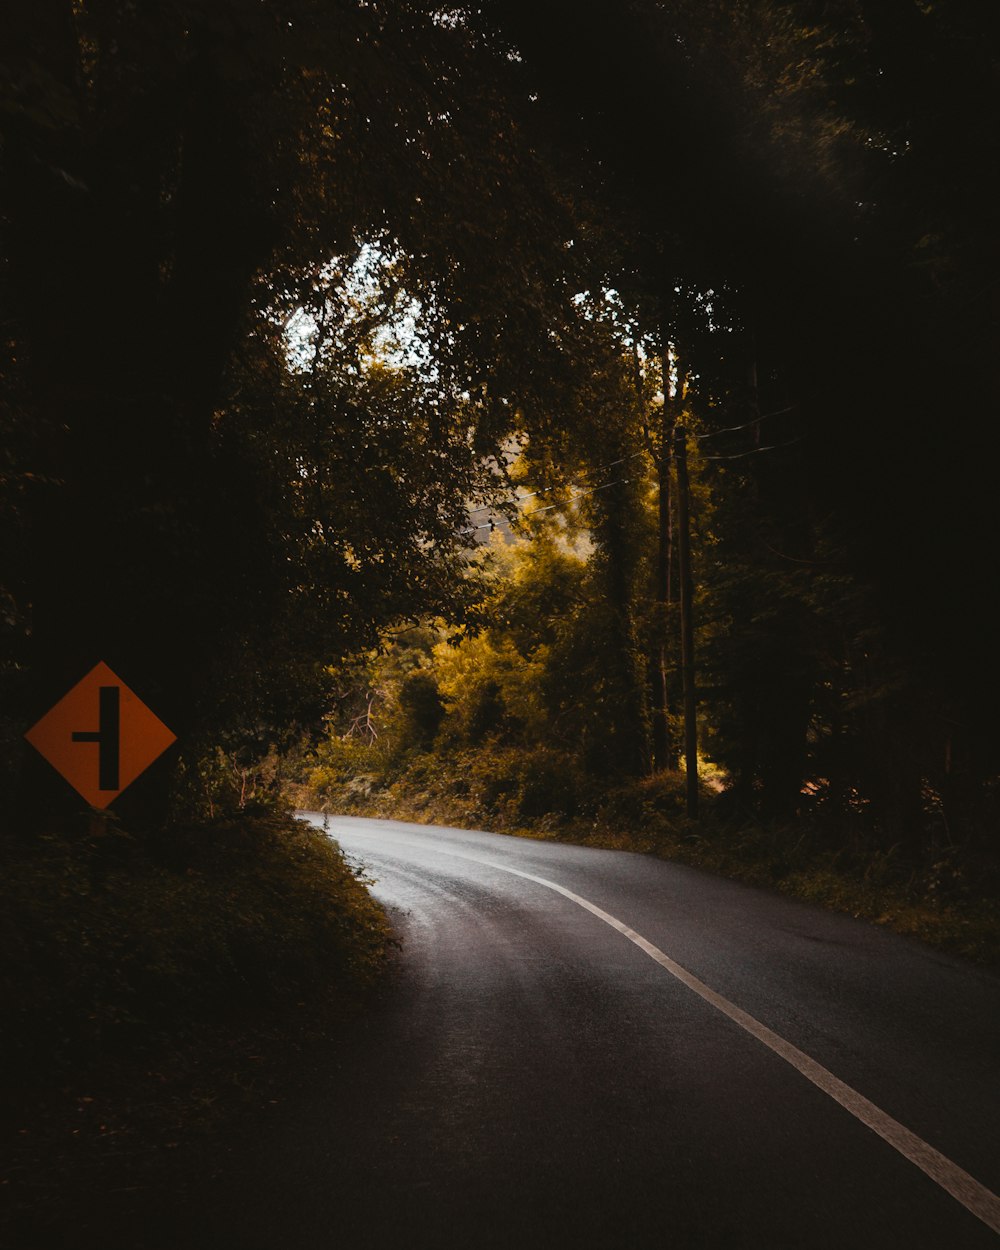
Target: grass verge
<point>155,990</point>
<point>946,897</point>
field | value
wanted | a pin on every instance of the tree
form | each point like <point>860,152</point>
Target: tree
<point>172,183</point>
<point>851,136</point>
<point>178,185</point>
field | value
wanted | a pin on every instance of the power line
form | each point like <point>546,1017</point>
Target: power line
<point>599,468</point>
<point>754,451</point>
<point>491,525</point>
<point>593,491</point>
<point>732,429</point>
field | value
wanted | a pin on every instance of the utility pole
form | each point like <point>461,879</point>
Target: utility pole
<point>687,621</point>
<point>664,560</point>
<point>661,450</point>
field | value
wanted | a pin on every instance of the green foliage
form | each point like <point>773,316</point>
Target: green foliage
<point>259,357</point>
<point>519,786</point>
<point>491,690</point>
<point>114,944</point>
<point>650,804</point>
<point>230,782</point>
<point>947,899</point>
<point>536,587</point>
<point>491,785</point>
<point>422,709</point>
<point>270,452</point>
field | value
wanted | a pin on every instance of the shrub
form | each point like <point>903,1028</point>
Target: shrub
<point>421,710</point>
<point>645,803</point>
<point>114,944</point>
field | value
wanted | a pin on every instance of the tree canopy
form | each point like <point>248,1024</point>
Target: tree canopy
<point>281,282</point>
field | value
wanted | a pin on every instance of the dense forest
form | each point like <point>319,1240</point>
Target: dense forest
<point>305,304</point>
<point>570,419</point>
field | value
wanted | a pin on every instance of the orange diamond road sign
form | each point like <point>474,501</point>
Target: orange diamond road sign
<point>100,736</point>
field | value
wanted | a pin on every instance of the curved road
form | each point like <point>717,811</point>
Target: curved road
<point>589,1048</point>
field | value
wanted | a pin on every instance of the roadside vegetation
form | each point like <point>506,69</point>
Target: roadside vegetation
<point>947,897</point>
<point>115,944</point>
<point>517,726</point>
<point>156,990</point>
<point>300,301</point>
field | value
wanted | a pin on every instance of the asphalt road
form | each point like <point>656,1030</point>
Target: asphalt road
<point>586,1048</point>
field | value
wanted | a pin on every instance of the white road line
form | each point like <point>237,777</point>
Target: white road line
<point>976,1198</point>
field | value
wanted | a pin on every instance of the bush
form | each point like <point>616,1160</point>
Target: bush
<point>421,710</point>
<point>646,803</point>
<point>520,785</point>
<point>113,944</point>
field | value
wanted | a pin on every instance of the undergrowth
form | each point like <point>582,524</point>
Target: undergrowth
<point>115,946</point>
<point>946,896</point>
<point>159,991</point>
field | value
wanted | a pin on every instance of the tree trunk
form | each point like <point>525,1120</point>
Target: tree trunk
<point>663,756</point>
<point>687,624</point>
<point>131,299</point>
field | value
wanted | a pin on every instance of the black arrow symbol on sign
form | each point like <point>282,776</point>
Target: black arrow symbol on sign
<point>107,736</point>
